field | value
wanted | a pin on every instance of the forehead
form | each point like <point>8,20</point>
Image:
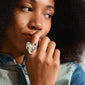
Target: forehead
<point>39,1</point>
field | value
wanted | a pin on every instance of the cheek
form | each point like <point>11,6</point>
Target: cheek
<point>47,28</point>
<point>45,32</point>
<point>19,20</point>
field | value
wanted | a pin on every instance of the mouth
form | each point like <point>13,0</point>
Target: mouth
<point>28,37</point>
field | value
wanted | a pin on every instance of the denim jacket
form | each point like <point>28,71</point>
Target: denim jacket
<point>16,74</point>
<point>12,73</point>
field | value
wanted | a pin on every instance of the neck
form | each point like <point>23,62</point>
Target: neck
<point>19,59</point>
<point>16,55</point>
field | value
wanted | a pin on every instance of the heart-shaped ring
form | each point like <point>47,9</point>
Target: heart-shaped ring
<point>31,47</point>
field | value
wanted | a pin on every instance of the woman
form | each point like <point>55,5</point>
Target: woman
<point>23,21</point>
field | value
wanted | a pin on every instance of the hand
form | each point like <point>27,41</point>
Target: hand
<point>43,64</point>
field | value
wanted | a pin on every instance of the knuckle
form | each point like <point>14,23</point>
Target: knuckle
<point>53,44</point>
<point>48,62</point>
<point>58,51</point>
<point>47,39</point>
<point>40,60</point>
<point>40,57</point>
<point>56,64</point>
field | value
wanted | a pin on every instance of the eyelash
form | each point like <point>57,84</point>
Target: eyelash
<point>27,8</point>
<point>48,15</point>
<point>30,9</point>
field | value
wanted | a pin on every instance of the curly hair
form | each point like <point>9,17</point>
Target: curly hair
<point>68,29</point>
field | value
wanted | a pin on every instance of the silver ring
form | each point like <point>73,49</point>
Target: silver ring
<point>31,47</point>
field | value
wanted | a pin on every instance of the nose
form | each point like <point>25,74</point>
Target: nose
<point>35,22</point>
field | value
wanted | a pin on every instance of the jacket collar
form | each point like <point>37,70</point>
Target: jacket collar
<point>8,59</point>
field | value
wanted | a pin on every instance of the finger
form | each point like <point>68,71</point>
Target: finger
<point>43,44</point>
<point>50,50</point>
<point>35,39</point>
<point>56,56</point>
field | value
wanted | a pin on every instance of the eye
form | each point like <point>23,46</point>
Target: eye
<point>48,15</point>
<point>27,8</point>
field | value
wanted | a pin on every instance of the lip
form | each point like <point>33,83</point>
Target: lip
<point>28,36</point>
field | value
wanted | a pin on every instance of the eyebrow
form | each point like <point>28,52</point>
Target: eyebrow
<point>29,0</point>
<point>52,7</point>
<point>48,6</point>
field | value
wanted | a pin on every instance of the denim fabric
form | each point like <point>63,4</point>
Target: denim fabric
<point>78,77</point>
<point>12,73</point>
<point>70,74</point>
<point>65,72</point>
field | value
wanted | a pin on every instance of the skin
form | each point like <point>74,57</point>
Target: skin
<point>33,16</point>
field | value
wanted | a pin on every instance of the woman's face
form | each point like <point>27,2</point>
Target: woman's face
<point>28,17</point>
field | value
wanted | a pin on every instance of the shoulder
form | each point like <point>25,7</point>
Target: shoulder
<point>78,76</point>
<point>68,74</point>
